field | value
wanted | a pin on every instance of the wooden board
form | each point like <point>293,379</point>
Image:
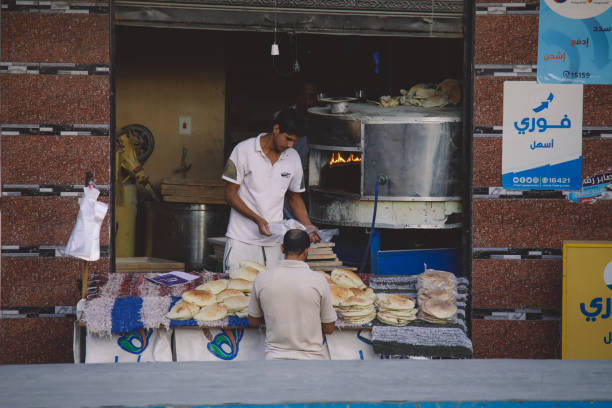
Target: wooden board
<point>324,256</point>
<point>324,263</point>
<point>193,191</point>
<point>192,182</point>
<point>322,245</point>
<point>331,268</point>
<point>146,265</point>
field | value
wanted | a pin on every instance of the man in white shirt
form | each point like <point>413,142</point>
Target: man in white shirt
<point>259,172</point>
<point>294,303</point>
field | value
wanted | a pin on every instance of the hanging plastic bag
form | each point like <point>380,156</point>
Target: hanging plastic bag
<point>84,241</point>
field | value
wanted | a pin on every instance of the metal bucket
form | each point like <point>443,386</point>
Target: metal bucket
<point>179,231</point>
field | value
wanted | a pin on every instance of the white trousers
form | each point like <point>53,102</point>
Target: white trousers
<point>237,251</point>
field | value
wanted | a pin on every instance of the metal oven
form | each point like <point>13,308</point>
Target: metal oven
<point>407,157</point>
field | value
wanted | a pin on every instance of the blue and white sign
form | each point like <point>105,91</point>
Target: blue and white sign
<point>542,140</point>
<point>575,42</point>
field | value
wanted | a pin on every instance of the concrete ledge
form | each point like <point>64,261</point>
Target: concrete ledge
<point>304,382</point>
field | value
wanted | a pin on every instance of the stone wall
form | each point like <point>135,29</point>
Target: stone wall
<point>518,239</point>
<point>55,113</point>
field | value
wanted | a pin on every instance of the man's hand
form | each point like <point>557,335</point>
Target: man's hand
<point>312,233</point>
<point>263,227</point>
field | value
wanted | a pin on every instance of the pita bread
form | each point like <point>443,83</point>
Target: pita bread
<point>347,279</point>
<point>356,301</point>
<point>210,313</point>
<point>182,310</point>
<point>432,279</point>
<point>395,302</point>
<point>215,286</point>
<point>201,298</point>
<point>338,294</point>
<point>229,293</point>
<point>360,320</point>
<point>243,313</point>
<point>439,309</point>
<point>360,312</point>
<point>393,320</point>
<point>236,303</point>
<point>244,272</point>
<point>367,292</point>
<point>242,285</point>
<point>444,295</point>
<point>254,265</point>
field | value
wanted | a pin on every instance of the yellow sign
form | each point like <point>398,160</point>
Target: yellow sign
<point>587,300</point>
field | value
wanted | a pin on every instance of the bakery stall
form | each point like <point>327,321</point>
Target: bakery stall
<point>129,318</point>
<point>385,135</point>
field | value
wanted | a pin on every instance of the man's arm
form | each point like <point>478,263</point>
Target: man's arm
<point>257,321</point>
<point>328,328</point>
<point>298,208</point>
<point>234,200</point>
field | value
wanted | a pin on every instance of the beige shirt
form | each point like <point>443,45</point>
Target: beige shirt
<point>294,301</point>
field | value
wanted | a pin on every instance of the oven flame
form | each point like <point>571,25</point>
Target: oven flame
<point>337,158</point>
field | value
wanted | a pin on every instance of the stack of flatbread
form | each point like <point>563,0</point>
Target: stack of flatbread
<point>357,309</point>
<point>214,300</point>
<point>395,310</point>
<point>437,296</point>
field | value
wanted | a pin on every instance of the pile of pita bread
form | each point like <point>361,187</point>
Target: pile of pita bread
<point>215,300</point>
<point>351,298</point>
<point>395,310</point>
<point>437,296</point>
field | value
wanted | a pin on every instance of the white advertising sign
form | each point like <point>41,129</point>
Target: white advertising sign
<point>542,139</point>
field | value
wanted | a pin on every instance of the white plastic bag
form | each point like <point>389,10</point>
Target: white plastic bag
<point>278,230</point>
<point>84,241</point>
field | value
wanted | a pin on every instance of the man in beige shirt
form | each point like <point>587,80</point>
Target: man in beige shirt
<point>294,303</point>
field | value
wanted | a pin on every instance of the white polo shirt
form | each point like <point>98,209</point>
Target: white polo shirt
<point>262,187</point>
<point>294,301</point>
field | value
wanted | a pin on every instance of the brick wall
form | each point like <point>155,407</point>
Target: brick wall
<point>55,118</point>
<point>518,240</point>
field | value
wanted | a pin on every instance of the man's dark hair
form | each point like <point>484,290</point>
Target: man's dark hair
<point>295,241</point>
<point>289,121</point>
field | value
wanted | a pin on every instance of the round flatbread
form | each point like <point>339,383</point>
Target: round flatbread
<point>214,287</point>
<point>356,301</point>
<point>367,292</point>
<point>229,293</point>
<point>242,285</point>
<point>347,279</point>
<point>395,302</point>
<point>439,309</point>
<point>211,313</point>
<point>201,298</point>
<point>254,265</point>
<point>338,294</point>
<point>182,310</point>
<point>244,272</point>
<point>236,303</point>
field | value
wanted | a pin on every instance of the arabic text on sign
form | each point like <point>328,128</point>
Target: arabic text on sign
<point>560,56</point>
<point>596,306</point>
<point>541,124</point>
<point>580,42</point>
